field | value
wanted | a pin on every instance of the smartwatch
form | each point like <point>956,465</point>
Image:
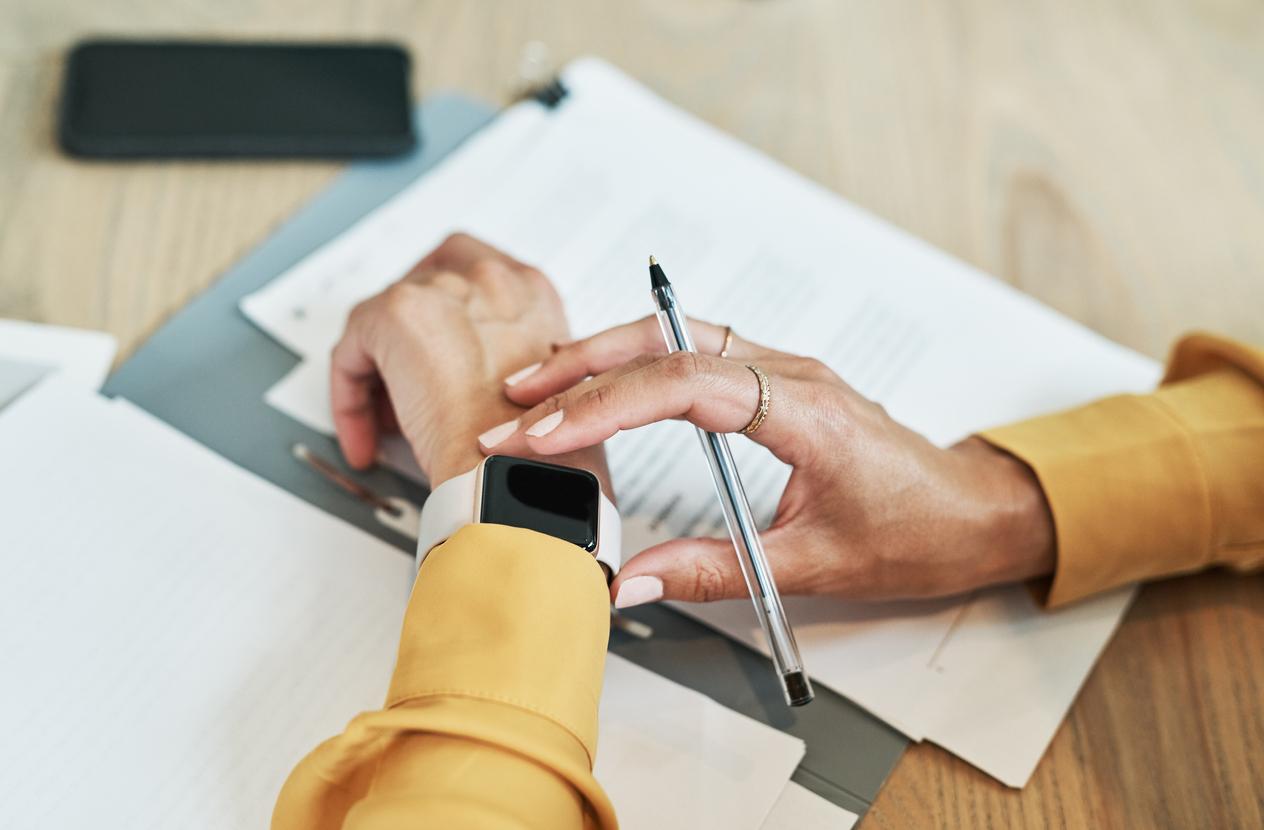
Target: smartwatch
<point>558,501</point>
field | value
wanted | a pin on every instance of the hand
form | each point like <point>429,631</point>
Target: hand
<point>872,509</point>
<point>427,355</point>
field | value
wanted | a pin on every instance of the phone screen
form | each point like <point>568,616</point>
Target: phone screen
<point>164,99</point>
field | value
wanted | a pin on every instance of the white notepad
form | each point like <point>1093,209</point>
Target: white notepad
<point>177,633</point>
<point>586,192</point>
<point>29,351</point>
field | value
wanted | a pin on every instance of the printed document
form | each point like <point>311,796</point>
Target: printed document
<point>589,190</point>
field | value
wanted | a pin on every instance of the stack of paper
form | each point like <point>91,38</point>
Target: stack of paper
<point>799,808</point>
<point>586,191</point>
<point>29,351</point>
<point>177,633</point>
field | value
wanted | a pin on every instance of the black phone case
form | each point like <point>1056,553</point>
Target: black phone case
<point>78,92</point>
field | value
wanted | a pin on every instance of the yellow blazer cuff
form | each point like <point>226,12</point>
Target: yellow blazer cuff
<point>1127,490</point>
<point>510,616</point>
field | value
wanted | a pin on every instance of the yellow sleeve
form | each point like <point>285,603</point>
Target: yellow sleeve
<point>491,719</point>
<point>1144,486</point>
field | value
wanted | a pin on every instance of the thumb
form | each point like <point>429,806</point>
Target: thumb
<point>693,570</point>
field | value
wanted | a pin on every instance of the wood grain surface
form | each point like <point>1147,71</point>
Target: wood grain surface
<point>1104,156</point>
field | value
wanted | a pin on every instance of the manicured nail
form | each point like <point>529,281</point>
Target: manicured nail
<point>521,374</point>
<point>495,435</point>
<point>639,590</point>
<point>546,424</point>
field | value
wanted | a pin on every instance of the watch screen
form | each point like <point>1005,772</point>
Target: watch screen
<point>558,501</point>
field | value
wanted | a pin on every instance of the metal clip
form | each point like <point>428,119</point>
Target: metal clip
<point>398,514</point>
<point>537,78</point>
<point>404,517</point>
<point>629,626</point>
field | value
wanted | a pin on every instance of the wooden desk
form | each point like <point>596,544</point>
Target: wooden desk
<point>1103,156</point>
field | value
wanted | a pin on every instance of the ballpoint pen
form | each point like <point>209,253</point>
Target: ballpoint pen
<point>737,515</point>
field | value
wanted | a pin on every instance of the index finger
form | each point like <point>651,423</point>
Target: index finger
<point>716,395</point>
<point>614,347</point>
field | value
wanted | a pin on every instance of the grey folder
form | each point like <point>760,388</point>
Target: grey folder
<point>206,370</point>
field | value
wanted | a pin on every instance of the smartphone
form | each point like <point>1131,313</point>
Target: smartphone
<point>142,99</point>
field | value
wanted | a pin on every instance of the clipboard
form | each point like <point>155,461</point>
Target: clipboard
<point>205,372</point>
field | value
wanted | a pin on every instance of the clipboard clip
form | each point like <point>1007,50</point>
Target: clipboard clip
<point>536,79</point>
<point>393,512</point>
<point>404,517</point>
<point>550,93</point>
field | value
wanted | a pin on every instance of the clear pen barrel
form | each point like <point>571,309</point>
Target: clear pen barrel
<point>756,570</point>
<point>742,528</point>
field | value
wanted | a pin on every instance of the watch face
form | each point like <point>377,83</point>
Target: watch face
<point>559,501</point>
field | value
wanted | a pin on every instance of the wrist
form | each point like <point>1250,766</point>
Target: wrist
<point>1016,531</point>
<point>448,446</point>
<point>451,463</point>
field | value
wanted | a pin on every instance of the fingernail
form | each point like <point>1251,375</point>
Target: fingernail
<point>521,374</point>
<point>639,590</point>
<point>495,435</point>
<point>546,424</point>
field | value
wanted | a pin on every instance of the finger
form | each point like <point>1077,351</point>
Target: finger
<point>572,362</point>
<point>707,569</point>
<point>459,252</point>
<point>353,389</point>
<point>506,438</point>
<point>691,570</point>
<point>714,394</point>
<point>586,383</point>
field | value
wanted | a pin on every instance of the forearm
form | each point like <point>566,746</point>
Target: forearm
<point>435,780</point>
<point>493,705</point>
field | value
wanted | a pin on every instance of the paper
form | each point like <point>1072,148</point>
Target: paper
<point>670,757</point>
<point>1010,669</point>
<point>586,192</point>
<point>16,378</point>
<point>989,678</point>
<point>799,808</point>
<point>28,351</point>
<point>178,633</point>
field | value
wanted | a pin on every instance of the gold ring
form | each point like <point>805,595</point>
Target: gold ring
<point>765,400</point>
<point>728,341</point>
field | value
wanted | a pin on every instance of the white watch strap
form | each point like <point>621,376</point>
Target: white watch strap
<point>609,534</point>
<point>450,507</point>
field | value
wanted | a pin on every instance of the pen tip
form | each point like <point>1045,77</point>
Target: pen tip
<point>657,278</point>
